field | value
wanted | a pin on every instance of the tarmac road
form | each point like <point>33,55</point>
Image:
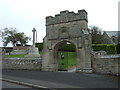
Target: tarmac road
<point>61,79</point>
<point>12,85</point>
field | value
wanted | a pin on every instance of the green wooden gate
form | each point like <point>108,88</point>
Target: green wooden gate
<point>66,59</point>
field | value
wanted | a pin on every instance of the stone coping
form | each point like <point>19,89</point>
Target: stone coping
<point>109,56</point>
<point>26,58</point>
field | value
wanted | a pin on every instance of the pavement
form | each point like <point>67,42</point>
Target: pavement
<point>12,85</point>
<point>56,80</point>
<point>72,69</point>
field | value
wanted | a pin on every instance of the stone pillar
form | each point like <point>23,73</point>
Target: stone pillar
<point>83,60</point>
<point>33,36</point>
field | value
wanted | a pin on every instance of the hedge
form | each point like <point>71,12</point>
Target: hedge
<point>8,49</point>
<point>109,48</point>
<point>67,47</point>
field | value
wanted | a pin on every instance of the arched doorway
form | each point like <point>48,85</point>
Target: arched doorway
<point>65,53</point>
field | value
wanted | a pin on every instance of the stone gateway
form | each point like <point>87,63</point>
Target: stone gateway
<point>67,27</point>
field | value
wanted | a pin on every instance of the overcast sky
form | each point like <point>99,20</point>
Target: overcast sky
<point>28,14</point>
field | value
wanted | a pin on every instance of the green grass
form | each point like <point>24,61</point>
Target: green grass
<point>68,61</point>
<point>18,55</point>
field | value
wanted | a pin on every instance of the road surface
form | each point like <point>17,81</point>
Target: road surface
<point>61,79</point>
<point>12,85</point>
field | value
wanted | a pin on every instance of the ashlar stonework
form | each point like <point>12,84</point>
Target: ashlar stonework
<point>67,27</point>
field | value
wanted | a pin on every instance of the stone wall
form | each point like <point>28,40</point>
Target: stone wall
<point>22,63</point>
<point>20,47</point>
<point>20,50</point>
<point>107,64</point>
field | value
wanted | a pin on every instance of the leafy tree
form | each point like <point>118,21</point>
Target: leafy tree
<point>11,35</point>
<point>96,34</point>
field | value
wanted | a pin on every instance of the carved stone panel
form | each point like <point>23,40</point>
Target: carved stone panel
<point>63,33</point>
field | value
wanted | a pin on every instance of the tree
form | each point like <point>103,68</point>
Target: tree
<point>118,48</point>
<point>11,35</point>
<point>96,34</point>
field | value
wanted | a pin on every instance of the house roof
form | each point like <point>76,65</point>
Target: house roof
<point>113,33</point>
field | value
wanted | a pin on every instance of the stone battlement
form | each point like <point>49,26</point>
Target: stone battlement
<point>66,16</point>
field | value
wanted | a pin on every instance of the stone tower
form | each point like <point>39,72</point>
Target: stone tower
<point>67,27</point>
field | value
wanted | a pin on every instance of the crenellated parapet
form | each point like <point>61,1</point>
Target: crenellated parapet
<point>66,16</point>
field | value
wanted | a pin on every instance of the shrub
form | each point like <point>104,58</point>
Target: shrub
<point>39,46</point>
<point>8,49</point>
<point>109,48</point>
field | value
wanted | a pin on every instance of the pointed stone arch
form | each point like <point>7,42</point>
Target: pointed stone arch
<point>56,47</point>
